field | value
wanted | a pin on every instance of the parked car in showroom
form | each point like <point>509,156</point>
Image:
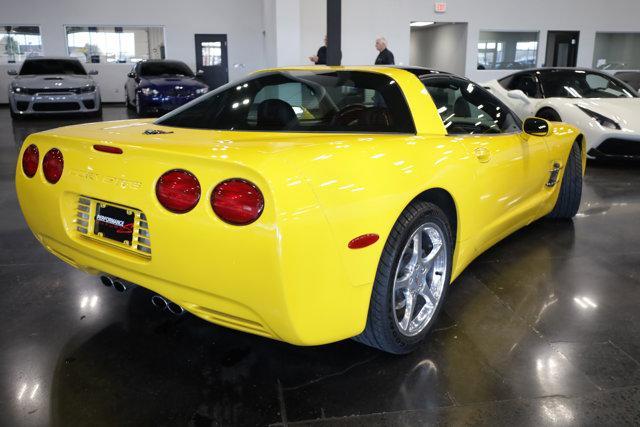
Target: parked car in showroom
<point>604,108</point>
<point>48,85</point>
<point>159,86</point>
<point>305,204</point>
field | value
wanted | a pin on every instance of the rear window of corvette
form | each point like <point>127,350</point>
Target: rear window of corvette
<point>301,101</point>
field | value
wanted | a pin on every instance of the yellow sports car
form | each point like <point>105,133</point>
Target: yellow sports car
<point>307,204</point>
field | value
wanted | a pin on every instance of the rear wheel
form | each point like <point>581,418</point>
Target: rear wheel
<point>568,201</point>
<point>549,114</point>
<point>412,280</point>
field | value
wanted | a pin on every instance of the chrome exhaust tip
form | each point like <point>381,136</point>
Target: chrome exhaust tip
<point>175,308</point>
<point>159,302</point>
<point>120,286</point>
<point>106,280</point>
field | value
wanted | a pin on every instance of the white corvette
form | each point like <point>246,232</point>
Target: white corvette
<point>606,109</point>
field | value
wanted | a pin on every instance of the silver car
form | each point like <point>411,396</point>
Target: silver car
<point>53,86</point>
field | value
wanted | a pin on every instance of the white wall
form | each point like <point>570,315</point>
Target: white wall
<point>364,20</point>
<point>313,21</point>
<point>241,20</point>
<point>442,47</point>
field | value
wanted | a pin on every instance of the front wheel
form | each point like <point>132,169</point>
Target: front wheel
<point>127,101</point>
<point>139,110</point>
<point>412,280</point>
<point>568,201</point>
<point>14,115</point>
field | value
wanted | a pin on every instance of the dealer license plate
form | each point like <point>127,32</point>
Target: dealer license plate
<point>114,223</point>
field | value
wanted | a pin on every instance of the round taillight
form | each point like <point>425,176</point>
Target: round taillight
<point>178,191</point>
<point>52,165</point>
<point>30,160</point>
<point>237,201</point>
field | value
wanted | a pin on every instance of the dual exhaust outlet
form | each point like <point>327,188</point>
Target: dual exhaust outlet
<point>158,301</point>
<point>162,303</point>
<point>117,284</point>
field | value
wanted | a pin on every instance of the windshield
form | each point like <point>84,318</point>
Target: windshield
<point>52,66</point>
<point>342,101</point>
<point>165,68</point>
<point>581,84</point>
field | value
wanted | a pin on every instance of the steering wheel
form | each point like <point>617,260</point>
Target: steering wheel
<point>348,114</point>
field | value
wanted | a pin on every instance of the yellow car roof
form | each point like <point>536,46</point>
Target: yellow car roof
<point>391,71</point>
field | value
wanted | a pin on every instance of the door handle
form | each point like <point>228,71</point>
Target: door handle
<point>482,154</point>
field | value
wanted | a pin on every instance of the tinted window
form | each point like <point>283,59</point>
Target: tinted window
<point>466,108</point>
<point>581,84</point>
<point>165,68</point>
<point>52,66</point>
<point>526,83</point>
<point>343,101</point>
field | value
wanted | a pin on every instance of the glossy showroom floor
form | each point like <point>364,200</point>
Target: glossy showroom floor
<point>544,329</point>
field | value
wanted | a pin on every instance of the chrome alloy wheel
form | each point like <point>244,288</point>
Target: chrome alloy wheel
<point>419,279</point>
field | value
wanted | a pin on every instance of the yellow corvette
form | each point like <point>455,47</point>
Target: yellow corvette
<point>307,204</point>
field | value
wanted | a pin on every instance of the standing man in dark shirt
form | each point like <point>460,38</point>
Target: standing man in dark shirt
<point>385,57</point>
<point>321,57</point>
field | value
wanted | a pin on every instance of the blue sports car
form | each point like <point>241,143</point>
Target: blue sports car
<point>158,86</point>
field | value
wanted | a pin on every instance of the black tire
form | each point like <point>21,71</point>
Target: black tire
<point>14,115</point>
<point>549,114</point>
<point>127,101</point>
<point>97,114</point>
<point>568,201</point>
<point>140,112</point>
<point>381,330</point>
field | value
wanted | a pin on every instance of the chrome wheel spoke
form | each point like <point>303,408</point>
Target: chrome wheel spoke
<point>410,300</point>
<point>428,261</point>
<point>403,282</point>
<point>428,296</point>
<point>416,252</point>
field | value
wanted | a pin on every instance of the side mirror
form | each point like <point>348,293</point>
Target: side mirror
<point>131,75</point>
<point>199,73</point>
<point>519,95</point>
<point>12,72</point>
<point>536,126</point>
<point>93,72</point>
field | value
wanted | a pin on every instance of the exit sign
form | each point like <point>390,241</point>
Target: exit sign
<point>441,7</point>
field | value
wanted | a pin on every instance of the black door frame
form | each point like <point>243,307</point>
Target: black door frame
<point>224,66</point>
<point>573,49</point>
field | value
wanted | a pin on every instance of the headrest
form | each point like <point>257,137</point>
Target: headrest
<point>461,108</point>
<point>276,114</point>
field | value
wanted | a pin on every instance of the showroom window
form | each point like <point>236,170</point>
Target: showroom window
<point>617,51</point>
<point>504,50</point>
<point>466,108</point>
<point>115,44</point>
<point>18,43</point>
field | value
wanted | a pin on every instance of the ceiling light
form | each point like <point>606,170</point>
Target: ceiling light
<point>421,23</point>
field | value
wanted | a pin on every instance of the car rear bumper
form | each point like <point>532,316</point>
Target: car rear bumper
<point>44,104</point>
<point>279,277</point>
